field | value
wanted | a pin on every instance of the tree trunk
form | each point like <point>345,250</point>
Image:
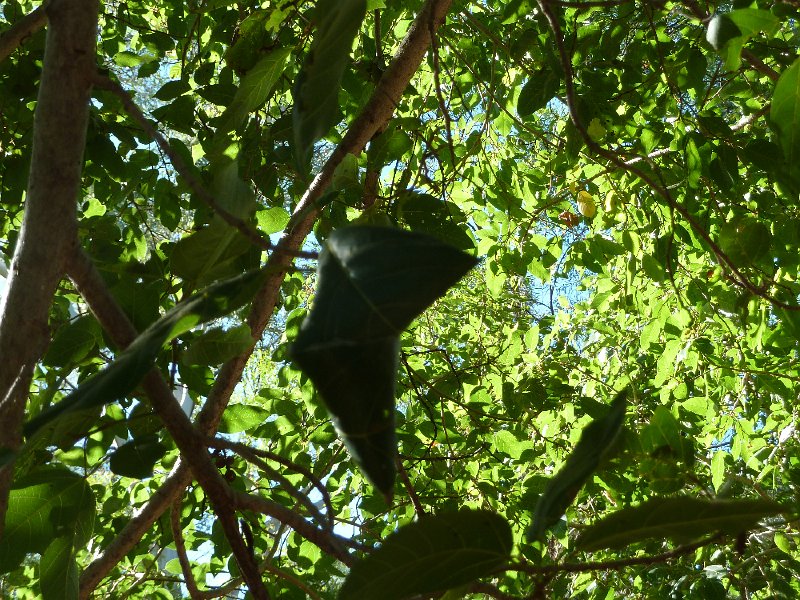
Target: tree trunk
<point>49,230</point>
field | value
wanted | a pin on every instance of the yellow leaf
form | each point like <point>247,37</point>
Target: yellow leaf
<point>596,130</point>
<point>586,205</point>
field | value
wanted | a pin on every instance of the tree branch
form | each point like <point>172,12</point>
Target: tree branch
<point>108,312</point>
<point>259,458</point>
<point>376,113</point>
<point>59,135</point>
<point>326,541</point>
<point>180,548</point>
<point>621,563</point>
<point>13,37</point>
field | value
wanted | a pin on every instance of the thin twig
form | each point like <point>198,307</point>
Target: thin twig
<point>614,565</point>
<point>326,541</point>
<point>412,493</point>
<point>180,548</point>
<point>245,451</point>
<point>437,84</point>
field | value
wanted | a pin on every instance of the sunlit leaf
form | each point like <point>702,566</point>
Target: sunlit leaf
<point>218,345</point>
<point>254,89</point>
<point>58,570</point>
<point>785,114</point>
<point>47,504</point>
<point>241,417</point>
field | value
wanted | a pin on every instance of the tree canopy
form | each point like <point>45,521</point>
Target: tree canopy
<point>399,299</point>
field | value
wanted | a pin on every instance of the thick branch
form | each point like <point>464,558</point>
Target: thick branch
<point>374,116</point>
<point>15,36</point>
<point>49,225</point>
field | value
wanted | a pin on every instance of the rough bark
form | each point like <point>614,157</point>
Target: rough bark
<point>59,134</point>
<point>375,115</point>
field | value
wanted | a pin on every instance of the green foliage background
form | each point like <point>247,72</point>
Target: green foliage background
<point>682,288</point>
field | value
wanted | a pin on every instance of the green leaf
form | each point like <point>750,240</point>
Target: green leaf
<point>73,342</point>
<point>372,282</point>
<point>241,417</point>
<point>44,505</point>
<point>58,570</point>
<point>662,435</point>
<point>126,58</point>
<point>721,30</point>
<point>727,33</point>
<point>751,21</point>
<point>596,439</point>
<point>679,519</point>
<point>217,251</point>
<point>744,240</point>
<point>122,375</point>
<point>718,470</point>
<point>136,458</point>
<point>316,94</point>
<point>542,86</point>
<point>173,89</point>
<point>784,115</point>
<point>433,554</point>
<point>217,345</point>
<point>254,88</point>
<point>272,220</point>
<point>441,219</point>
<point>345,176</point>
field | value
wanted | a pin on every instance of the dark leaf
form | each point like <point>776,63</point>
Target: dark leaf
<point>597,438</point>
<point>373,282</point>
<point>678,519</point>
<point>122,375</point>
<point>433,554</point>
<point>137,458</point>
<point>316,93</point>
<point>538,91</point>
